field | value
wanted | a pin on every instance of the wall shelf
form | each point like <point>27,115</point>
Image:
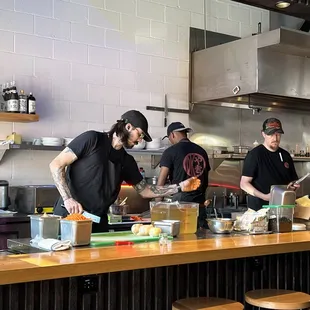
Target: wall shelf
<point>155,154</point>
<point>217,159</point>
<point>18,117</point>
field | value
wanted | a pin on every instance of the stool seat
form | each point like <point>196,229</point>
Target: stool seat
<point>206,303</point>
<point>278,299</point>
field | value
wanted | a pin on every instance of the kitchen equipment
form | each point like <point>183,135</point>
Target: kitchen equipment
<point>240,149</point>
<point>118,209</point>
<point>301,179</point>
<point>244,79</point>
<point>155,144</point>
<point>108,239</point>
<point>299,227</point>
<point>169,227</point>
<point>221,225</point>
<point>4,194</point>
<point>52,141</point>
<point>44,226</point>
<point>280,195</point>
<point>185,212</point>
<point>78,232</point>
<point>166,111</point>
<point>123,202</point>
<point>140,146</point>
<point>35,198</point>
<point>280,217</point>
<point>151,180</point>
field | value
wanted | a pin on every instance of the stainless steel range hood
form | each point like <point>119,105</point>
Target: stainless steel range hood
<point>269,71</point>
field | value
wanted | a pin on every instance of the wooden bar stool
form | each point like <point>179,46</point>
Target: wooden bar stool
<point>206,303</point>
<point>278,299</point>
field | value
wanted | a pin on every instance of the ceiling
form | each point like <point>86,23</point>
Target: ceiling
<point>298,8</point>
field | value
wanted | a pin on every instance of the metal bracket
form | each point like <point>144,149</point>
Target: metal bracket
<point>155,160</point>
<point>161,109</point>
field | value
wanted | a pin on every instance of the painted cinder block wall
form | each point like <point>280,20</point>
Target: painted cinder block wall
<point>88,61</point>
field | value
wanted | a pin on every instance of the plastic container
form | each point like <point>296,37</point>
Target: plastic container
<point>78,232</point>
<point>185,212</point>
<point>280,217</point>
<point>44,226</point>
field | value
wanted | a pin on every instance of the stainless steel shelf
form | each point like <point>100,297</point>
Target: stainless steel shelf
<point>217,159</point>
<point>155,154</point>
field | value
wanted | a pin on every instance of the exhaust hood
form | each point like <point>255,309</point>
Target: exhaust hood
<point>267,71</point>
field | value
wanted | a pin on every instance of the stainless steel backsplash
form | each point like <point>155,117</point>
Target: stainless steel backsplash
<point>231,127</point>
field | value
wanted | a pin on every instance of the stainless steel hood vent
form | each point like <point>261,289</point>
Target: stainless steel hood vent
<point>269,71</point>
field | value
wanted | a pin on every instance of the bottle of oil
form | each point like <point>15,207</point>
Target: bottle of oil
<point>12,102</point>
<point>31,104</point>
<point>23,105</point>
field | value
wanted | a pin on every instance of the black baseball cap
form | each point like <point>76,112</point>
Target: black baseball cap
<point>137,119</point>
<point>176,126</point>
<point>271,126</point>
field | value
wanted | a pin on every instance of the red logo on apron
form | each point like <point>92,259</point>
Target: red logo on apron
<point>286,165</point>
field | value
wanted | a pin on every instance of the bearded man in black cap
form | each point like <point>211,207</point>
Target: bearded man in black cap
<point>89,172</point>
<point>266,165</point>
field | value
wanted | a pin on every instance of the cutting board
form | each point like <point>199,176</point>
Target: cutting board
<point>105,239</point>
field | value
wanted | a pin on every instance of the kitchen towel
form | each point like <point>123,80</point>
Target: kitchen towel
<point>51,244</point>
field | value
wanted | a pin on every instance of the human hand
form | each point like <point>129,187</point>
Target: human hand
<point>266,197</point>
<point>73,206</point>
<point>293,186</point>
<point>190,184</point>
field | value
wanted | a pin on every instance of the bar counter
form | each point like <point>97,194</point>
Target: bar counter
<point>193,265</point>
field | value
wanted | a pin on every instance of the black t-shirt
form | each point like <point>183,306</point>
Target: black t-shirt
<point>184,160</point>
<point>95,178</point>
<point>268,168</point>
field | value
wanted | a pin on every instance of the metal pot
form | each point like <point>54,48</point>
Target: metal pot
<point>151,180</point>
<point>221,225</point>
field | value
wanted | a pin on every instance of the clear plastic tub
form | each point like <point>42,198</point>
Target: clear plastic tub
<point>44,226</point>
<point>185,212</point>
<point>78,232</point>
<point>280,218</point>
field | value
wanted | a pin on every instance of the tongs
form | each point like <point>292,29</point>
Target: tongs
<point>301,179</point>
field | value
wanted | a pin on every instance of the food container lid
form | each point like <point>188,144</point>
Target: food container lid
<point>299,226</point>
<point>279,206</point>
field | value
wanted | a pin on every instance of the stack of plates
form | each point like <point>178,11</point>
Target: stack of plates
<point>52,141</point>
<point>67,141</point>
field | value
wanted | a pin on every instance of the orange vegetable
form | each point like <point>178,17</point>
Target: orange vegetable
<point>76,217</point>
<point>191,184</point>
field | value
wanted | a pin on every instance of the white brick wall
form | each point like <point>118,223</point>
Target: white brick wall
<point>88,61</point>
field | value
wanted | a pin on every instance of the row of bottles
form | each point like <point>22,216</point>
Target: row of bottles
<point>17,103</point>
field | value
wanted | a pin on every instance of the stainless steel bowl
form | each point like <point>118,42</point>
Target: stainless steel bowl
<point>221,225</point>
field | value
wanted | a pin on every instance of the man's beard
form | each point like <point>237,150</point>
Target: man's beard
<point>125,140</point>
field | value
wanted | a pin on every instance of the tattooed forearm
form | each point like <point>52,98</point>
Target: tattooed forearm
<point>140,186</point>
<point>59,176</point>
<point>58,169</point>
<point>165,190</point>
<point>153,191</point>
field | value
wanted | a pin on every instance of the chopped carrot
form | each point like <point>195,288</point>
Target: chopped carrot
<point>76,217</point>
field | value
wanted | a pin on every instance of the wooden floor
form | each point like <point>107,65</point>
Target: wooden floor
<point>157,288</point>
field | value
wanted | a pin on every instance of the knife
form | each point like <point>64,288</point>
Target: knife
<point>301,179</point>
<point>94,218</point>
<point>166,111</point>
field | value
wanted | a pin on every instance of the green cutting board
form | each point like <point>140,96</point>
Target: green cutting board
<point>105,239</point>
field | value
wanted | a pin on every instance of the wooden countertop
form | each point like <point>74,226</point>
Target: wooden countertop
<point>83,261</point>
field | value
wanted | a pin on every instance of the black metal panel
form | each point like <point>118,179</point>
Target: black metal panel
<point>157,288</point>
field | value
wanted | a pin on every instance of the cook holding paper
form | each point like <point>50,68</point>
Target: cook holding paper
<point>267,164</point>
<point>89,172</point>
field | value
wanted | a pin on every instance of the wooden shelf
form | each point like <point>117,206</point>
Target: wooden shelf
<point>18,117</point>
